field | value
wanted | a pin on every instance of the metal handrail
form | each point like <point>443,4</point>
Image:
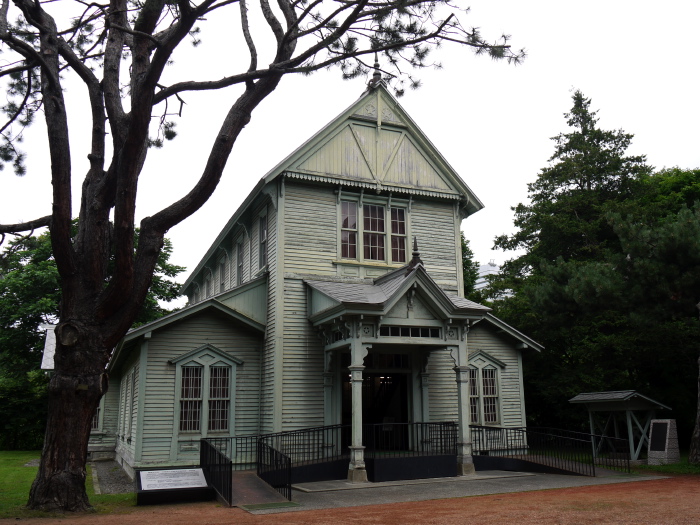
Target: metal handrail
<point>563,449</point>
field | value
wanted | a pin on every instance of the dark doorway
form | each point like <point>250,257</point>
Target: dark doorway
<point>385,409</point>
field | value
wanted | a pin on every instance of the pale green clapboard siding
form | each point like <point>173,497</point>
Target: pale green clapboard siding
<point>126,437</point>
<point>310,229</point>
<point>483,338</point>
<point>442,391</point>
<point>432,223</point>
<point>302,391</point>
<point>250,301</point>
<point>160,413</point>
<point>268,374</point>
<point>443,385</point>
<point>111,409</point>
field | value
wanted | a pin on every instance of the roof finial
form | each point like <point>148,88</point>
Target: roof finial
<point>377,77</point>
<point>416,257</point>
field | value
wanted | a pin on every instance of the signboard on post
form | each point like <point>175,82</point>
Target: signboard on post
<point>172,485</point>
<point>663,442</point>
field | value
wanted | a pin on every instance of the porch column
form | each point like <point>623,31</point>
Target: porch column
<point>356,470</point>
<point>328,389</point>
<point>465,463</point>
<point>425,396</point>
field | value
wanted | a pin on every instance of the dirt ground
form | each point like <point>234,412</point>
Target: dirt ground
<point>672,501</point>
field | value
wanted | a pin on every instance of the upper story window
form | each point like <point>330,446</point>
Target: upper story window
<point>378,235</point>
<point>239,263</point>
<point>222,275</point>
<point>263,243</point>
<point>348,230</point>
<point>374,232</point>
<point>398,234</point>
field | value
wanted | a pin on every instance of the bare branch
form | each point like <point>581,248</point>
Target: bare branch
<point>272,21</point>
<point>26,226</point>
<point>248,38</point>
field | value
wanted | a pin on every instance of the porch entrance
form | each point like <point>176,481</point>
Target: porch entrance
<point>386,395</point>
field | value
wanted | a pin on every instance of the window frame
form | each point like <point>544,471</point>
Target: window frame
<point>207,357</point>
<point>222,275</point>
<point>478,363</point>
<point>263,244</point>
<point>362,233</point>
<point>240,261</point>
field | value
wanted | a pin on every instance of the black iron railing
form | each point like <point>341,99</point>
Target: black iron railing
<point>217,468</point>
<point>562,449</point>
<point>275,469</point>
<point>311,445</point>
<point>410,439</point>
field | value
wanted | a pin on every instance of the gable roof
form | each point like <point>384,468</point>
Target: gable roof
<point>373,138</point>
<point>209,305</point>
<point>364,163</point>
<point>618,400</point>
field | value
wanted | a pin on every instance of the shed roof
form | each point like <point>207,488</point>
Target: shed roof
<point>618,400</point>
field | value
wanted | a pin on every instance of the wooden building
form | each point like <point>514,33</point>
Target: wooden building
<point>313,307</point>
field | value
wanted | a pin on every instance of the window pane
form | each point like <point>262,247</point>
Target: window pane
<point>263,242</point>
<point>374,246</point>
<point>474,410</point>
<point>190,396</point>
<point>191,382</point>
<point>490,410</point>
<point>398,221</point>
<point>398,249</point>
<point>218,414</point>
<point>190,412</point>
<point>473,383</point>
<point>348,245</point>
<point>374,218</point>
<point>219,382</point>
<point>489,379</point>
<point>239,263</point>
<point>349,215</point>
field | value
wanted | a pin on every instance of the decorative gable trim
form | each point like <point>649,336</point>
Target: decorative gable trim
<point>207,349</point>
<point>480,354</point>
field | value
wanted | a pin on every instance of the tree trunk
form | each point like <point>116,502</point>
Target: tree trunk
<point>74,395</point>
<point>694,455</point>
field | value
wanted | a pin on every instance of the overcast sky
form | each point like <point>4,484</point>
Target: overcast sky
<point>636,60</point>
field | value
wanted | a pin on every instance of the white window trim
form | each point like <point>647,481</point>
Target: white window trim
<point>388,203</point>
<point>240,260</point>
<point>263,242</point>
<point>206,356</point>
<point>480,361</point>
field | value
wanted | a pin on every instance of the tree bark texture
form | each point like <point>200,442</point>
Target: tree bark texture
<point>75,390</point>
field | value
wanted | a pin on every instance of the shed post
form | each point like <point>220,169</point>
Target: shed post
<point>630,433</point>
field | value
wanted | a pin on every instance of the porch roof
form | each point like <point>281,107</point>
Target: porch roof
<point>381,294</point>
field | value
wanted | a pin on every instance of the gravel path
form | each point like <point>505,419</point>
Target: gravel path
<point>111,479</point>
<point>674,501</point>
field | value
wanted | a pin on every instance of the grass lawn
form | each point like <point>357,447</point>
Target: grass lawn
<point>16,479</point>
<point>683,467</point>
